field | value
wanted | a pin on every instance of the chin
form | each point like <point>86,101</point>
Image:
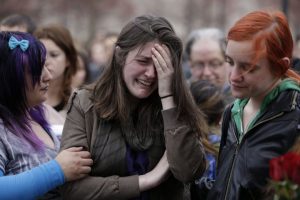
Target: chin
<point>142,96</point>
<point>237,95</point>
<point>41,101</point>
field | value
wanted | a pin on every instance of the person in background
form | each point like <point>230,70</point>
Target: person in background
<point>138,120</point>
<point>210,101</point>
<point>62,61</point>
<point>98,59</point>
<point>263,121</point>
<point>29,164</point>
<point>101,50</point>
<point>17,22</point>
<point>206,52</point>
<point>296,54</point>
<point>23,23</point>
<point>81,76</point>
<point>110,39</point>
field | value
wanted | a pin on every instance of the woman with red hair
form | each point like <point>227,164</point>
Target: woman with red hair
<point>263,121</point>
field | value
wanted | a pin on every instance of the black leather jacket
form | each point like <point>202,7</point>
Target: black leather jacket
<point>243,167</point>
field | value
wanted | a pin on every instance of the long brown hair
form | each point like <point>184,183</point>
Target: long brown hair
<point>63,39</point>
<point>112,98</point>
<point>271,37</point>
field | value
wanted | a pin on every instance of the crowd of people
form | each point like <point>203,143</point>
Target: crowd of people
<point>142,114</point>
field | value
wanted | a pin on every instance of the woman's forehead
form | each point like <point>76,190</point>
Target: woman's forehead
<point>240,49</point>
<point>144,49</point>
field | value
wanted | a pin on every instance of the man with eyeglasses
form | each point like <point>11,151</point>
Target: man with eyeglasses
<point>205,50</point>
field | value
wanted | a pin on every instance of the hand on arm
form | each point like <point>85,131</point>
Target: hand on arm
<point>156,176</point>
<point>75,163</point>
<point>77,132</point>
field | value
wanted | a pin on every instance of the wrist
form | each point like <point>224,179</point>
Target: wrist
<point>166,96</point>
<point>147,182</point>
<point>143,185</point>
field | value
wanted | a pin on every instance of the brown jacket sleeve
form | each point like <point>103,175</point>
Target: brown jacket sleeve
<point>77,132</point>
<point>185,152</point>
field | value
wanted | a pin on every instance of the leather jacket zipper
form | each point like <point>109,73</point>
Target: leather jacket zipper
<point>229,178</point>
<point>237,149</point>
<point>293,107</point>
<point>273,117</point>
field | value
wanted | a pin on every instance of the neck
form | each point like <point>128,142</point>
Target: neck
<point>54,92</point>
<point>134,102</point>
<point>256,101</point>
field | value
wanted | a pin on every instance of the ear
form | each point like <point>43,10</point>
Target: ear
<point>286,61</point>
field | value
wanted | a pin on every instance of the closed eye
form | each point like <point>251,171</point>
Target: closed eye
<point>54,54</point>
<point>229,60</point>
<point>246,67</point>
<point>143,61</point>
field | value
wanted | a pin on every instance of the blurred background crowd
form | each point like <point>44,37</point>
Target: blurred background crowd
<point>95,24</point>
<point>88,18</point>
<point>94,18</point>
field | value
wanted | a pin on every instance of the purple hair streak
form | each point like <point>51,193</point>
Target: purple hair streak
<point>14,62</point>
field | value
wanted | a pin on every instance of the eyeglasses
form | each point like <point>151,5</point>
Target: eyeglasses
<point>211,64</point>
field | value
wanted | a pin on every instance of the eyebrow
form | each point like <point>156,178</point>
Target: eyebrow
<point>245,63</point>
<point>55,51</point>
<point>143,57</point>
<point>240,62</point>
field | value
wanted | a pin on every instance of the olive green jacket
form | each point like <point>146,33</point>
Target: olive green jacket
<point>108,179</point>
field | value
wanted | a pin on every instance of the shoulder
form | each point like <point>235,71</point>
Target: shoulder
<point>291,96</point>
<point>227,110</point>
<point>52,116</point>
<point>81,98</point>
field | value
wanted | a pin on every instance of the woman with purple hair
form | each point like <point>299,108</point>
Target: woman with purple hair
<point>29,164</point>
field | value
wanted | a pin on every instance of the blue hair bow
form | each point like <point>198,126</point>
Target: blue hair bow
<point>13,43</point>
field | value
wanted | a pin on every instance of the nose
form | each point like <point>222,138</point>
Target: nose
<point>150,71</point>
<point>234,74</point>
<point>206,71</point>
<point>47,61</point>
<point>46,75</point>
